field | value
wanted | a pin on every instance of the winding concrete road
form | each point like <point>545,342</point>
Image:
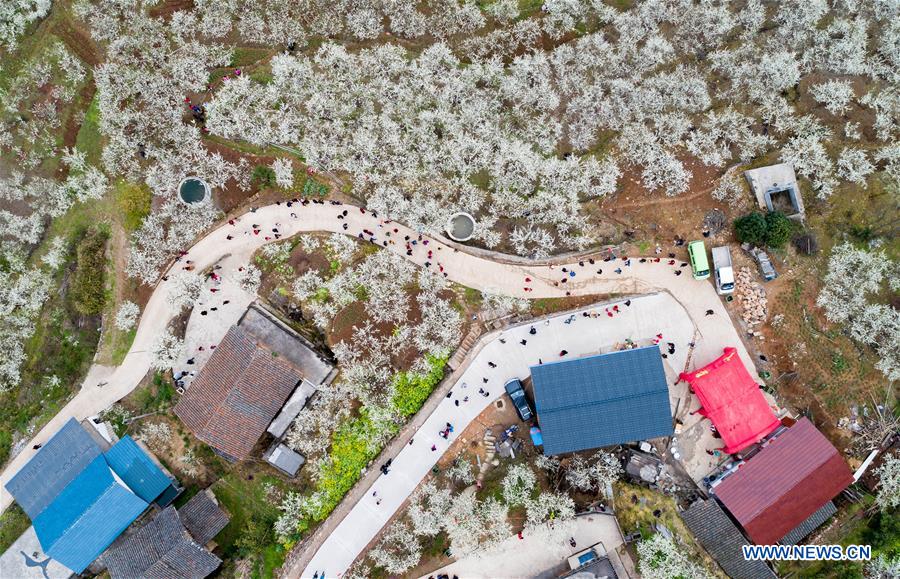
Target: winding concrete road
<point>231,246</point>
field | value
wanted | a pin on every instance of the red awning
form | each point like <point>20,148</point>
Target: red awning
<point>732,400</point>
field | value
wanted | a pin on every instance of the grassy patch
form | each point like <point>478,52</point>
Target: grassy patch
<point>249,533</point>
<point>472,297</point>
<point>412,390</point>
<point>89,140</point>
<point>13,522</point>
<point>155,396</point>
<point>245,56</point>
<point>133,201</point>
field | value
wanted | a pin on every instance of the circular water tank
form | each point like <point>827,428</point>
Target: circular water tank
<point>461,226</point>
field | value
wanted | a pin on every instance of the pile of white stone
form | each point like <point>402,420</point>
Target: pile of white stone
<point>752,298</point>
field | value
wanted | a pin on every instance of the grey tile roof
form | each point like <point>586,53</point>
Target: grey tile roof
<point>131,555</point>
<point>58,463</point>
<point>812,523</point>
<point>722,540</point>
<point>202,517</point>
<point>187,560</point>
<point>161,549</point>
<point>602,400</point>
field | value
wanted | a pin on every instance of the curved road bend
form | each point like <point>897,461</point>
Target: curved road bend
<point>477,272</point>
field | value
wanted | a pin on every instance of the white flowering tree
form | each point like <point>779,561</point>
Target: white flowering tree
<point>596,473</point>
<point>398,551</point>
<point>854,277</point>
<point>284,172</point>
<point>518,485</point>
<point>660,558</point>
<point>165,351</point>
<point>549,508</point>
<point>127,316</point>
<point>888,497</point>
<point>184,290</point>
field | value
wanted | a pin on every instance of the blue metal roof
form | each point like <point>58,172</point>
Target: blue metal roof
<point>86,517</point>
<point>602,400</point>
<point>54,466</point>
<point>139,472</point>
<point>76,504</point>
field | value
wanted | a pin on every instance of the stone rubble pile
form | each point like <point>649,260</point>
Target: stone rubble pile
<point>752,298</point>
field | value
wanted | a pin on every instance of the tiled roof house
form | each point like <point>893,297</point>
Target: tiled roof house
<point>161,549</point>
<point>722,540</point>
<point>78,501</point>
<point>785,484</point>
<point>202,517</point>
<point>237,394</point>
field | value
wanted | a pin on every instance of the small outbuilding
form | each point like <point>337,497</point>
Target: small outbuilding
<point>284,458</point>
<point>776,189</point>
<point>602,400</point>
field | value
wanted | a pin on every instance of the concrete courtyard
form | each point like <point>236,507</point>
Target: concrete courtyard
<point>641,322</point>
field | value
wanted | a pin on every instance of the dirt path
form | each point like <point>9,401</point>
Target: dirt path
<point>167,8</point>
<point>78,42</point>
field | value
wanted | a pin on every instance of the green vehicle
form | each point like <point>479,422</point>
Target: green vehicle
<point>699,263</point>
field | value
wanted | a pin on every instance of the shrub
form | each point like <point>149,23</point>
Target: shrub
<point>411,390</point>
<point>88,286</point>
<point>134,202</point>
<point>263,176</point>
<point>778,229</point>
<point>751,228</point>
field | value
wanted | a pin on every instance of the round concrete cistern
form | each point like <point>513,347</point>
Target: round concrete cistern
<point>461,226</point>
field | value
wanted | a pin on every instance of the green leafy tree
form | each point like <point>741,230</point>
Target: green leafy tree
<point>263,176</point>
<point>778,229</point>
<point>751,228</point>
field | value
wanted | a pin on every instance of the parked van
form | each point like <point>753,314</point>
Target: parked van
<point>699,263</point>
<point>724,270</point>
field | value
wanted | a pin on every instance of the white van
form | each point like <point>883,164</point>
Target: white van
<point>724,270</point>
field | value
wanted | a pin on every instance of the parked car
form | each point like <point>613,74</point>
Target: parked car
<point>699,262</point>
<point>517,393</point>
<point>724,270</point>
<point>766,269</point>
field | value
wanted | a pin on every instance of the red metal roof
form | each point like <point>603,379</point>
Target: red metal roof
<point>732,400</point>
<point>237,394</point>
<point>787,481</point>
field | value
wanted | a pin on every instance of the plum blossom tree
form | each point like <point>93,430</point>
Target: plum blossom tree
<point>518,484</point>
<point>834,94</point>
<point>428,508</point>
<point>398,551</point>
<point>165,350</point>
<point>184,290</point>
<point>882,567</point>
<point>888,496</point>
<point>549,507</point>
<point>853,277</point>
<point>854,166</point>
<point>16,15</point>
<point>127,316</point>
<point>284,172</point>
<point>595,473</point>
<point>660,558</point>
